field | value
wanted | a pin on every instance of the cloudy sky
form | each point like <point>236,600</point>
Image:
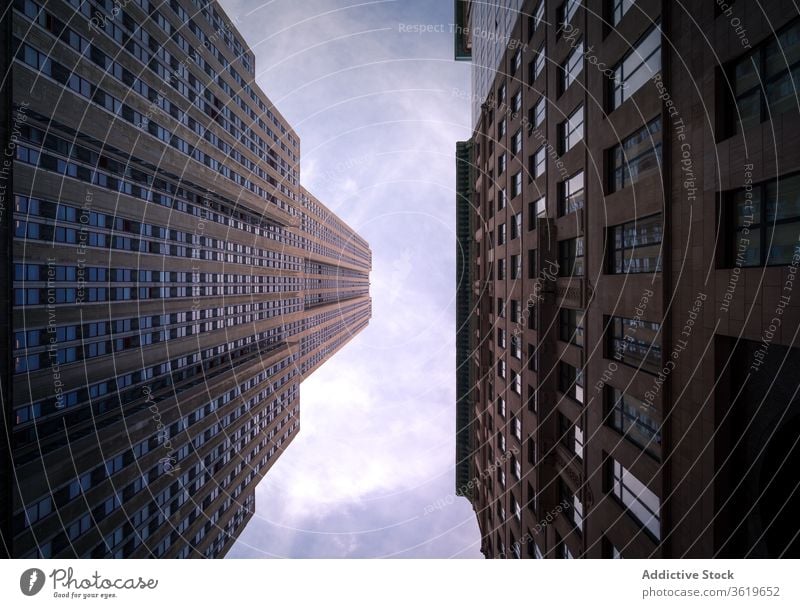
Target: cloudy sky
<point>378,119</point>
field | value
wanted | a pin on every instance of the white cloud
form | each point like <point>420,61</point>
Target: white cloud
<point>378,126</point>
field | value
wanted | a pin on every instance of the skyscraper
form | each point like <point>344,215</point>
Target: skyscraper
<point>629,240</point>
<point>172,283</point>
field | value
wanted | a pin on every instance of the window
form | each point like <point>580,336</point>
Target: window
<point>516,266</point>
<point>571,326</point>
<point>536,66</point>
<point>516,509</point>
<point>501,337</point>
<point>537,208</point>
<point>570,435</point>
<point>640,422</point>
<point>533,358</point>
<point>637,498</point>
<point>618,10</point>
<point>575,509</point>
<point>501,129</point>
<point>531,263</point>
<point>501,406</point>
<point>516,102</point>
<point>516,143</point>
<point>516,61</point>
<point>516,347</point>
<point>539,112</point>
<point>570,132</point>
<point>763,224</point>
<point>570,257</point>
<point>571,194</point>
<point>572,67</point>
<point>501,234</point>
<point>501,368</point>
<point>538,15</point>
<point>635,343</point>
<point>570,381</point>
<point>516,226</point>
<point>501,308</point>
<point>501,199</point>
<point>765,80</point>
<point>501,95</point>
<point>516,184</point>
<point>501,269</point>
<point>533,396</point>
<point>636,246</point>
<point>501,164</point>
<point>609,550</point>
<point>566,12</point>
<point>516,427</point>
<point>516,312</point>
<point>516,383</point>
<point>538,162</point>
<point>638,156</point>
<point>638,66</point>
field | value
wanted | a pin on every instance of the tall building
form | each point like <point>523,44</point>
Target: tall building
<point>172,283</point>
<point>629,225</point>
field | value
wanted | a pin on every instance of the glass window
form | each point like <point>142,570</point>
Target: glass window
<point>572,67</point>
<point>538,162</point>
<point>570,257</point>
<point>636,246</point>
<point>636,157</point>
<point>501,164</point>
<point>516,61</point>
<point>764,223</point>
<point>536,67</point>
<point>516,226</point>
<point>570,132</point>
<point>516,184</point>
<point>571,326</point>
<point>618,10</point>
<point>638,66</point>
<point>539,112</point>
<point>516,143</point>
<point>566,12</point>
<point>641,502</point>
<point>538,15</point>
<point>516,266</point>
<point>516,102</point>
<point>635,343</point>
<point>571,194</point>
<point>570,381</point>
<point>640,422</point>
<point>765,80</point>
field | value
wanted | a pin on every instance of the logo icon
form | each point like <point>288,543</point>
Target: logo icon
<point>31,581</point>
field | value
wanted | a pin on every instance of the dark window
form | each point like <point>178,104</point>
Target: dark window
<point>531,263</point>
<point>571,68</point>
<point>640,422</point>
<point>635,343</point>
<point>571,326</point>
<point>571,194</point>
<point>641,503</point>
<point>570,381</point>
<point>764,81</point>
<point>570,257</point>
<point>764,223</point>
<point>636,157</point>
<point>570,132</point>
<point>635,247</point>
<point>618,8</point>
<point>637,67</point>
